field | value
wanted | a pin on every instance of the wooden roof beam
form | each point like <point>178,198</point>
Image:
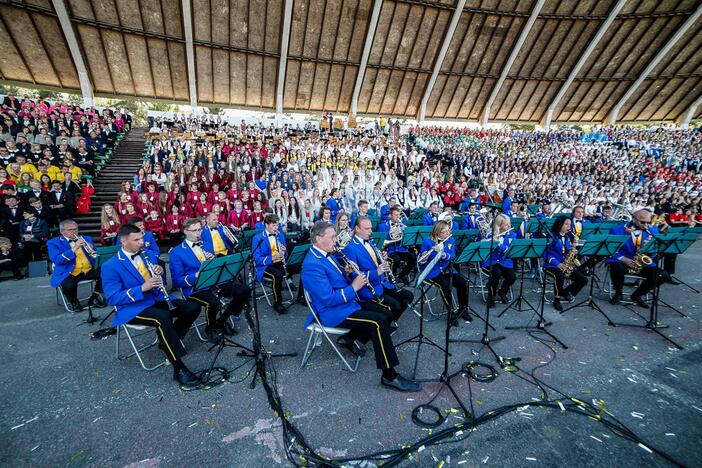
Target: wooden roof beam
<point>283,61</point>
<point>581,62</point>
<point>510,61</point>
<point>662,52</point>
<point>440,60</point>
<point>86,86</point>
<point>370,34</point>
<point>190,52</point>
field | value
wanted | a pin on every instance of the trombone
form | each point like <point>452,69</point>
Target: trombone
<point>230,235</point>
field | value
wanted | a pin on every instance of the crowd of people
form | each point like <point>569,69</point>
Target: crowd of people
<point>48,157</point>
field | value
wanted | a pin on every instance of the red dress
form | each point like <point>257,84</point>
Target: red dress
<point>202,209</point>
<point>111,229</point>
<point>155,226</point>
<point>238,220</point>
<point>174,223</point>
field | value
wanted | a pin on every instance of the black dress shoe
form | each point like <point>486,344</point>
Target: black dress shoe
<point>616,299</point>
<point>639,302</point>
<point>213,334</point>
<point>226,328</point>
<point>503,298</point>
<point>76,306</point>
<point>672,281</point>
<point>186,378</point>
<point>401,384</point>
<point>557,305</point>
<point>570,297</point>
<point>354,347</point>
<point>96,301</point>
<point>280,308</point>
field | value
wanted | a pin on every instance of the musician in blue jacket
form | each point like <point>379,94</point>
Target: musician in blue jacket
<point>557,251</point>
<point>270,254</point>
<point>362,211</point>
<point>333,298</point>
<point>214,238</point>
<point>73,263</point>
<point>638,230</point>
<point>503,276</point>
<point>430,218</point>
<point>185,261</point>
<point>471,220</point>
<point>361,251</point>
<point>137,294</point>
<point>443,274</point>
<point>578,221</point>
<point>507,203</point>
<point>394,247</point>
<point>334,204</point>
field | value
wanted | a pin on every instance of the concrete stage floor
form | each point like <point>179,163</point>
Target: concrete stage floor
<point>66,400</point>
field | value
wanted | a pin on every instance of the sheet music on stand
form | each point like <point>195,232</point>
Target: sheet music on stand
<point>220,270</point>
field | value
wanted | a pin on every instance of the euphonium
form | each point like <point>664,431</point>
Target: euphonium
<point>571,262</point>
<point>396,230</point>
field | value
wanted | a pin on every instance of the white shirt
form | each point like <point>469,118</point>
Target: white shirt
<point>197,249</point>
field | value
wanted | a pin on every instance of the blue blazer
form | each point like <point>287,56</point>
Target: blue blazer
<point>332,296</point>
<point>428,220</point>
<point>395,246</point>
<point>442,265</point>
<point>385,212</point>
<point>122,284</point>
<point>64,258</point>
<point>498,254</point>
<point>572,224</point>
<point>262,253</point>
<point>470,221</point>
<point>183,264</point>
<point>507,206</point>
<point>207,243</point>
<point>357,253</point>
<point>149,243</point>
<point>557,251</point>
<point>335,207</point>
<point>628,249</point>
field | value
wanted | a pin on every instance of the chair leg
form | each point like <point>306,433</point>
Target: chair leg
<point>348,366</point>
<point>137,350</point>
<point>308,349</point>
<point>265,293</point>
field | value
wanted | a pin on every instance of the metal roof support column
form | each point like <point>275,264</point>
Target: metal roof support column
<point>190,53</point>
<point>86,87</point>
<point>581,61</point>
<point>685,119</point>
<point>614,113</point>
<point>366,52</point>
<point>510,61</point>
<point>284,43</point>
<point>440,60</point>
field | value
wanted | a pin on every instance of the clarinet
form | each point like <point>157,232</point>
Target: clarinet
<point>285,265</point>
<point>162,288</point>
<point>358,271</point>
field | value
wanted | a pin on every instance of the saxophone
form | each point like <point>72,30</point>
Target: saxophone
<point>640,260</point>
<point>571,262</point>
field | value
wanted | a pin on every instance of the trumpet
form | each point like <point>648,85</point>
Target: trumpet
<point>150,267</point>
<point>354,267</point>
<point>87,247</point>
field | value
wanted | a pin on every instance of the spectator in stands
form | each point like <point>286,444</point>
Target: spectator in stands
<point>10,217</point>
<point>60,202</point>
<point>109,224</point>
<point>10,259</point>
<point>33,235</point>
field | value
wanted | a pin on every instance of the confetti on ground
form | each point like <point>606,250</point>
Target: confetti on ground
<point>670,434</point>
<point>698,409</point>
<point>673,375</point>
<point>193,424</point>
<point>631,380</point>
<point>531,458</point>
<point>645,448</point>
<point>485,460</point>
<point>593,437</point>
<point>637,415</point>
<point>24,423</point>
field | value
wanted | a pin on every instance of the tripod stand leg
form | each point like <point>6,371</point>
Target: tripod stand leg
<point>684,283</point>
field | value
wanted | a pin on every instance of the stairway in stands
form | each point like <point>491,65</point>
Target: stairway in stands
<point>121,166</point>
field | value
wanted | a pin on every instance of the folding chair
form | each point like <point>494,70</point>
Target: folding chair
<point>631,282</point>
<point>482,278</point>
<point>269,282</point>
<point>61,298</point>
<point>317,330</point>
<point>197,325</point>
<point>142,329</point>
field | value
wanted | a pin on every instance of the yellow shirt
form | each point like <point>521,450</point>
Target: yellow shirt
<point>141,268</point>
<point>82,263</point>
<point>77,173</point>
<point>218,243</point>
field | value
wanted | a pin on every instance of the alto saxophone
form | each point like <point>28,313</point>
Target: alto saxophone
<point>640,260</point>
<point>571,262</point>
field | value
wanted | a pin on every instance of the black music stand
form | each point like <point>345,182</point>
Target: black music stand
<point>475,252</point>
<point>463,237</point>
<point>523,249</point>
<point>212,273</point>
<point>297,256</point>
<point>693,233</point>
<point>598,246</point>
<point>657,245</point>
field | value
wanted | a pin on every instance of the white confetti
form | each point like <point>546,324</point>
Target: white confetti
<point>631,380</point>
<point>460,462</point>
<point>420,449</point>
<point>645,448</point>
<point>670,434</point>
<point>486,459</point>
<point>593,437</point>
<point>673,375</point>
<point>698,409</point>
<point>193,424</point>
<point>561,406</point>
<point>531,458</point>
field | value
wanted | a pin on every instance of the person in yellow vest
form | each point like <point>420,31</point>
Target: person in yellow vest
<point>74,261</point>
<point>214,237</point>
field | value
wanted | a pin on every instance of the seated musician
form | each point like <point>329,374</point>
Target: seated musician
<point>554,256</point>
<point>137,294</point>
<point>578,221</point>
<point>149,239</point>
<point>472,219</point>
<point>394,247</point>
<point>546,210</point>
<point>269,252</point>
<point>432,216</point>
<point>389,298</point>
<point>362,211</point>
<point>333,298</point>
<point>185,261</point>
<point>74,261</point>
<point>503,276</point>
<point>638,231</point>
<point>443,274</point>
<point>215,238</point>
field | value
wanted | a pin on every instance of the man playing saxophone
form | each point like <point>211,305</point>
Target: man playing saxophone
<point>630,260</point>
<point>393,244</point>
<point>561,263</point>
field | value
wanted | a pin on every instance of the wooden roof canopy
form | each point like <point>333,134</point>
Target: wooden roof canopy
<point>500,60</point>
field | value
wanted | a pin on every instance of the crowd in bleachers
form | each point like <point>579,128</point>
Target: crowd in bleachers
<point>195,166</point>
<point>49,154</point>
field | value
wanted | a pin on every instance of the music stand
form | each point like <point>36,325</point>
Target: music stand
<point>693,233</point>
<point>463,237</point>
<point>378,238</point>
<point>475,252</point>
<point>297,256</point>
<point>212,273</point>
<point>598,246</point>
<point>247,237</point>
<point>523,249</point>
<point>413,236</point>
<point>657,245</point>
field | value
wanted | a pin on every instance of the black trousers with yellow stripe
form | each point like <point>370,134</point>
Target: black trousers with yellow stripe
<point>374,326</point>
<point>238,293</point>
<point>578,280</point>
<point>276,273</point>
<point>169,331</point>
<point>444,281</point>
<point>394,303</point>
